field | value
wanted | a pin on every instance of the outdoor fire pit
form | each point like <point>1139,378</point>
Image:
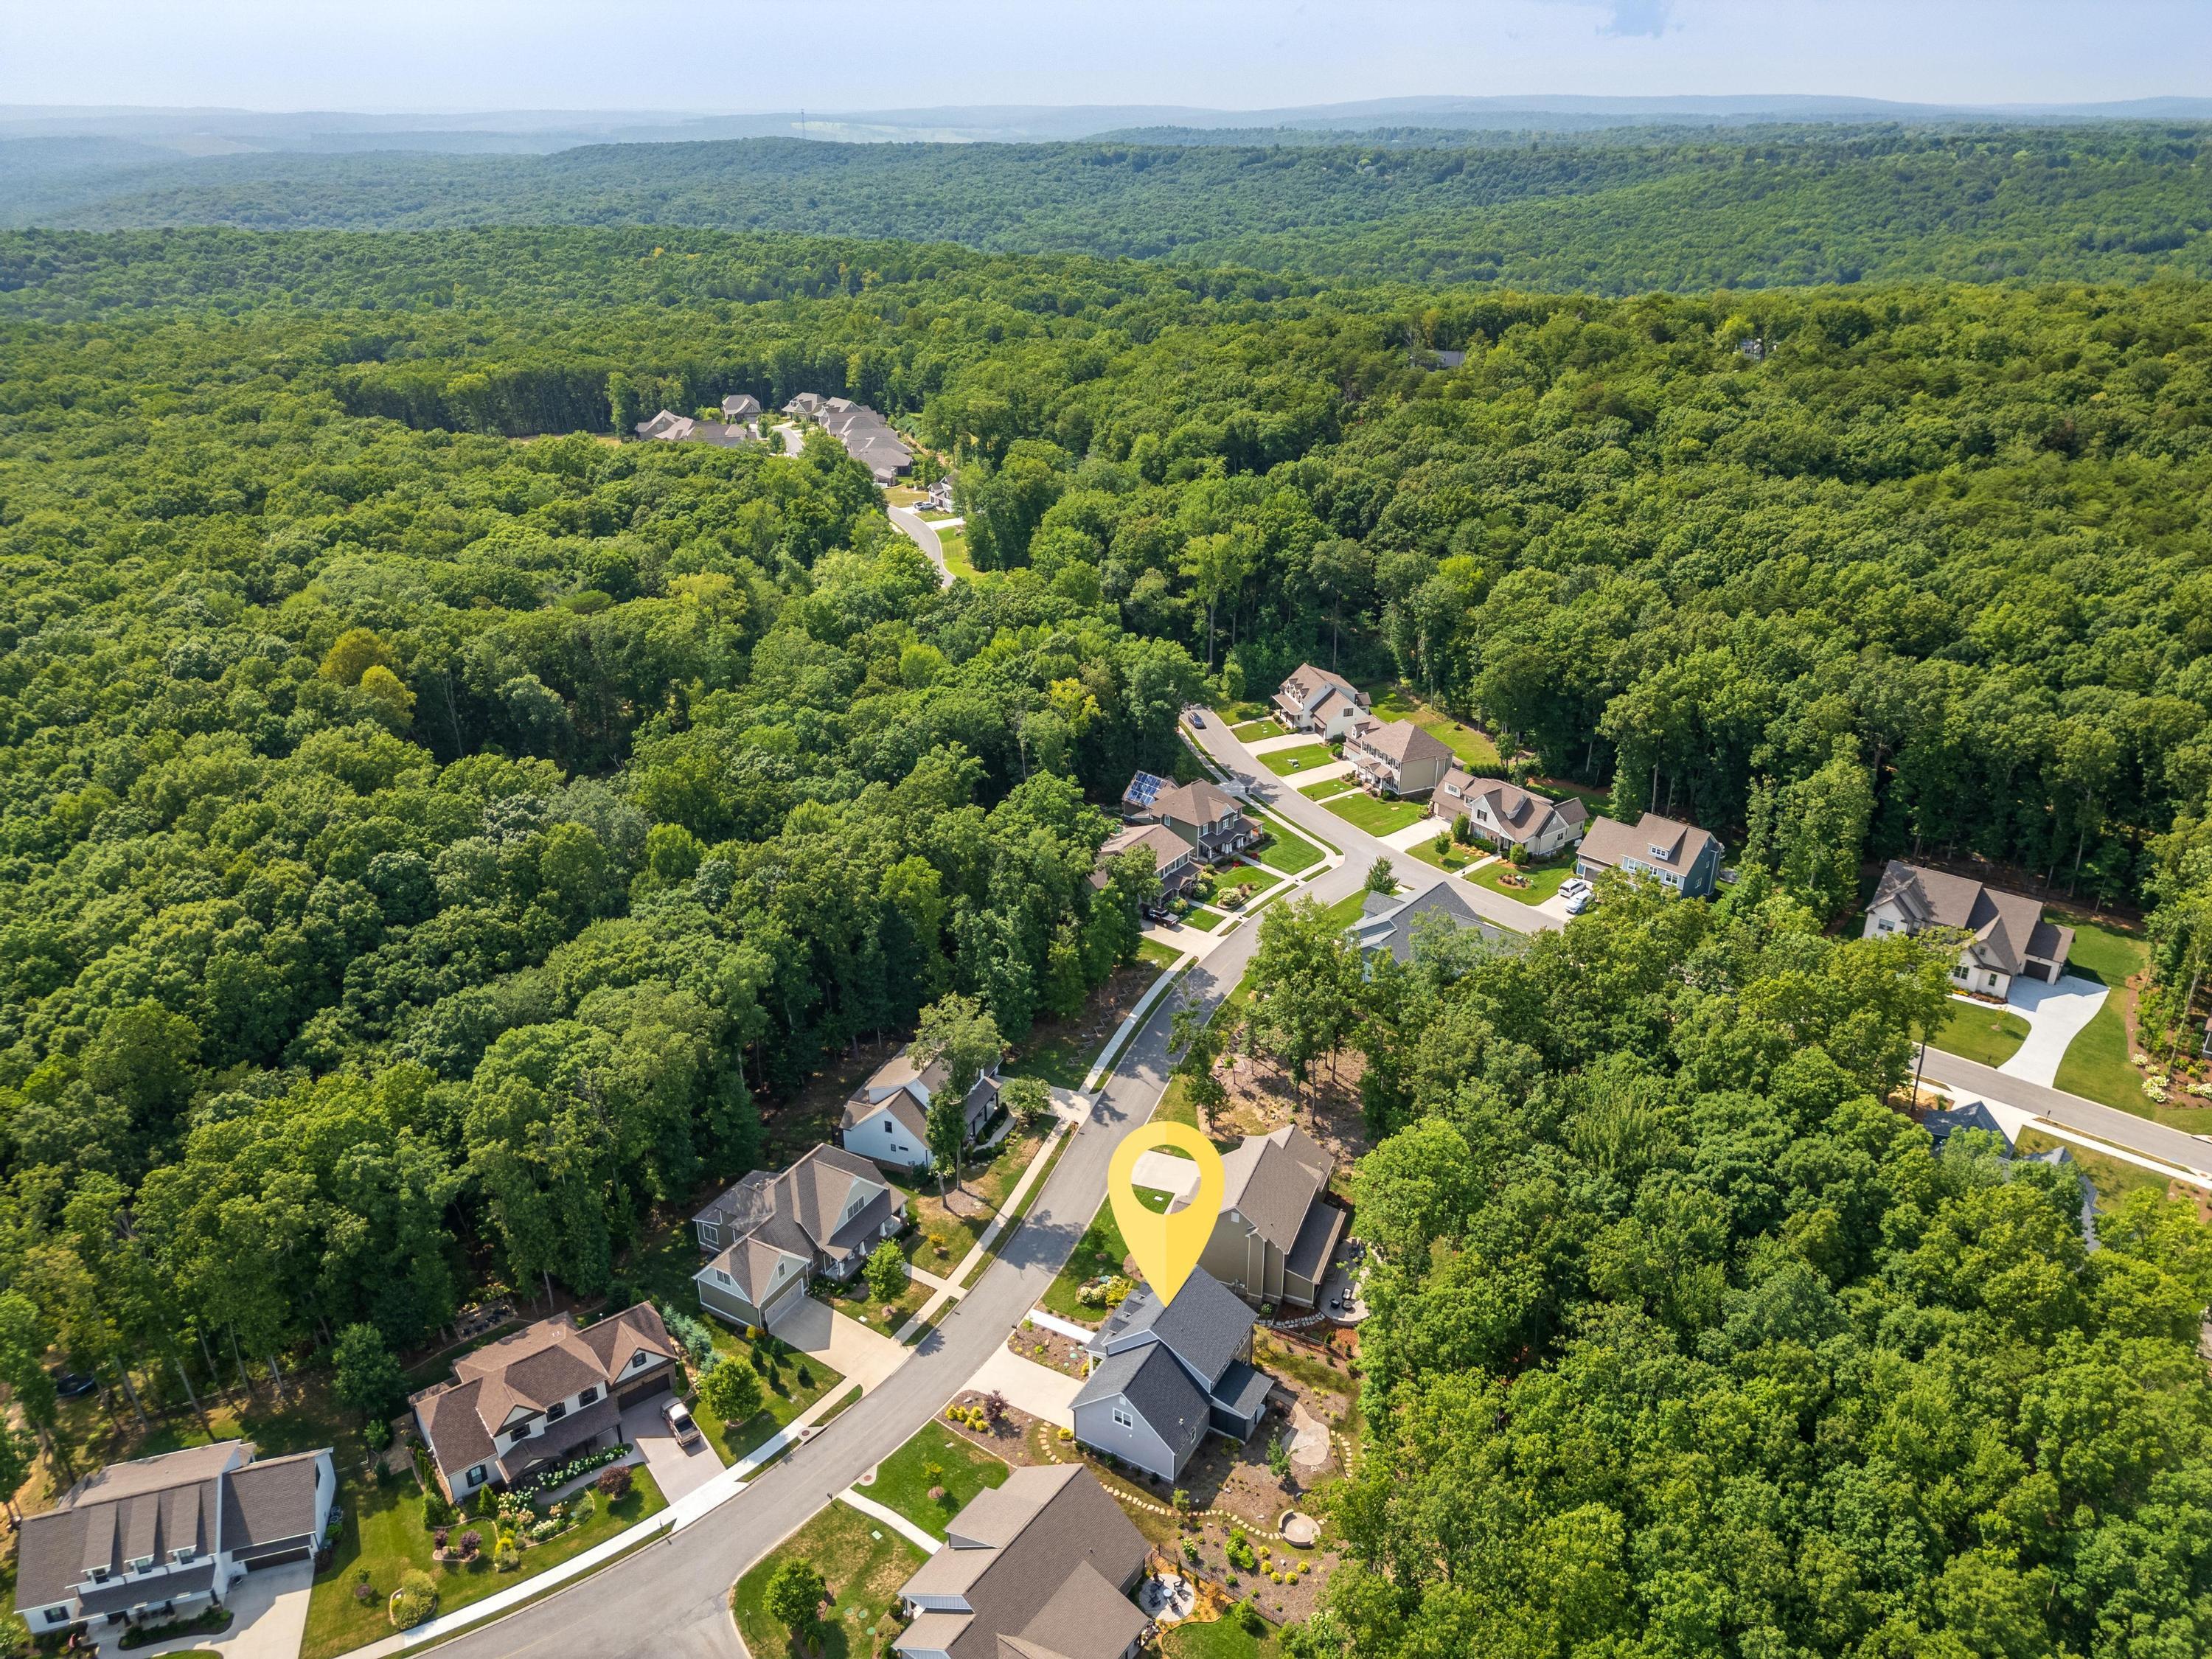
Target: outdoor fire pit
<point>1299,1530</point>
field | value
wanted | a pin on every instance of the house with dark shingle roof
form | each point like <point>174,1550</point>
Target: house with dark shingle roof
<point>1400,758</point>
<point>1039,1568</point>
<point>740,406</point>
<point>1277,1230</point>
<point>1322,701</point>
<point>1162,1374</point>
<point>1202,813</point>
<point>887,1119</point>
<point>548,1392</point>
<point>1396,925</point>
<point>1679,856</point>
<point>1504,815</point>
<point>162,1537</point>
<point>1174,860</point>
<point>769,1234</point>
<point>2006,936</point>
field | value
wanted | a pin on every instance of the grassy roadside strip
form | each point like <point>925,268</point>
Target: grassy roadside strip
<point>661,1532</point>
<point>1014,1218</point>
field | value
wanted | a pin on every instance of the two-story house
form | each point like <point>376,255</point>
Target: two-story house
<point>1174,860</point>
<point>1398,926</point>
<point>1400,758</point>
<point>767,1236</point>
<point>1505,816</point>
<point>1162,1374</point>
<point>163,1537</point>
<point>2005,936</point>
<point>548,1392</point>
<point>1679,856</point>
<point>1277,1229</point>
<point>1320,701</point>
<point>1202,813</point>
<point>1039,1568</point>
<point>887,1117</point>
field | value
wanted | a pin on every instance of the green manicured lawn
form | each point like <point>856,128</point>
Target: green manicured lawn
<point>1471,745</point>
<point>861,1560</point>
<point>855,1302</point>
<point>1256,731</point>
<point>1237,713</point>
<point>1455,857</point>
<point>955,545</point>
<point>1991,1036</point>
<point>1100,1250</point>
<point>384,1533</point>
<point>1302,757</point>
<point>1376,817</point>
<point>1175,1106</point>
<point>903,1479</point>
<point>1328,786</point>
<point>1219,1638</point>
<point>2095,1065</point>
<point>1159,955</point>
<point>1544,879</point>
<point>1345,911</point>
<point>2113,1178</point>
<point>1287,852</point>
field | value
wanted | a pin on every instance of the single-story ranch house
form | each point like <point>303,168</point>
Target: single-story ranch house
<point>2007,937</point>
<point>163,1537</point>
<point>545,1393</point>
<point>767,1236</point>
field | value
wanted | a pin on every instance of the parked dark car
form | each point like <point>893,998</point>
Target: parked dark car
<point>74,1385</point>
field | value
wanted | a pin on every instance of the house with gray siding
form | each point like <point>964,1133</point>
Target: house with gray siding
<point>887,1118</point>
<point>1162,1374</point>
<point>769,1234</point>
<point>161,1538</point>
<point>1679,857</point>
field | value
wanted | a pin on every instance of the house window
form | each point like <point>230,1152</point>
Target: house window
<point>588,1396</point>
<point>56,1615</point>
<point>887,1126</point>
<point>556,1410</point>
<point>1124,1418</point>
<point>100,1575</point>
<point>477,1476</point>
<point>141,1563</point>
<point>183,1554</point>
<point>639,1359</point>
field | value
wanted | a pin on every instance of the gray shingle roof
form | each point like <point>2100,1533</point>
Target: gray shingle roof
<point>1159,1389</point>
<point>152,1592</point>
<point>1610,841</point>
<point>1206,1326</point>
<point>269,1499</point>
<point>2008,928</point>
<point>1400,742</point>
<point>1272,1180</point>
<point>1396,925</point>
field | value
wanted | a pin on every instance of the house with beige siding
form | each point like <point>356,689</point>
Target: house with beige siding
<point>1401,758</point>
<point>1277,1231</point>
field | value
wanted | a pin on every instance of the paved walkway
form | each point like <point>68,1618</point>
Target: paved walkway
<point>1037,1389</point>
<point>1163,1172</point>
<point>1067,1327</point>
<point>2056,1015</point>
<point>1288,740</point>
<point>891,1517</point>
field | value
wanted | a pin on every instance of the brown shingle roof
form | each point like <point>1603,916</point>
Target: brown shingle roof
<point>1610,841</point>
<point>2008,928</point>
<point>1403,741</point>
<point>1194,803</point>
<point>269,1499</point>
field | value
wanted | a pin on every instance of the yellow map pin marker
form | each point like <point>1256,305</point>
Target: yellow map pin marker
<point>1167,1247</point>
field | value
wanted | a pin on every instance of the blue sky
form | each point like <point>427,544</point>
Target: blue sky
<point>736,55</point>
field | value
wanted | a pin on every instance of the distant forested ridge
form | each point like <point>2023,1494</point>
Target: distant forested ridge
<point>1610,212</point>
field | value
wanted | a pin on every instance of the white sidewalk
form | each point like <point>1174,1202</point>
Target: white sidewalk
<point>890,1517</point>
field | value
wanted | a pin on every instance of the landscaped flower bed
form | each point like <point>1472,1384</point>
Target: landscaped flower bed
<point>562,1474</point>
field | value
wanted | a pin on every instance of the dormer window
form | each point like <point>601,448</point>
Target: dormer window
<point>639,1359</point>
<point>588,1396</point>
<point>556,1410</point>
<point>142,1563</point>
<point>100,1575</point>
<point>183,1552</point>
<point>1656,852</point>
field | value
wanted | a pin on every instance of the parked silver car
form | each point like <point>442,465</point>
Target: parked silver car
<point>1577,894</point>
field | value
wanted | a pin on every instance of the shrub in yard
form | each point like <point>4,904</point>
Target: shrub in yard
<point>1240,1550</point>
<point>805,1376</point>
<point>471,1542</point>
<point>416,1599</point>
<point>732,1393</point>
<point>364,1592</point>
<point>887,1272</point>
<point>507,1558</point>
<point>616,1483</point>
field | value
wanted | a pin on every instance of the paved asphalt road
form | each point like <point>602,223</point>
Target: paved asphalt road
<point>923,534</point>
<point>1360,848</point>
<point>2107,1123</point>
<point>670,1600</point>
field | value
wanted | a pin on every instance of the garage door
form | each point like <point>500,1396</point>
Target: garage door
<point>277,1558</point>
<point>646,1390</point>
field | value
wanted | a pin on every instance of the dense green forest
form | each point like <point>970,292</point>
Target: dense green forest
<point>1683,1344</point>
<point>430,825</point>
<point>1614,212</point>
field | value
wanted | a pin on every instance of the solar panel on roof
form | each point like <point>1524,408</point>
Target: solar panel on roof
<point>1143,789</point>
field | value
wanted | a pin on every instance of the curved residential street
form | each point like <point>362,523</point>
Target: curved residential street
<point>918,531</point>
<point>670,1600</point>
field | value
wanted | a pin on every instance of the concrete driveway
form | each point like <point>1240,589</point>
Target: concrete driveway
<point>677,1469</point>
<point>846,1345</point>
<point>269,1617</point>
<point>2056,1015</point>
<point>1037,1389</point>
